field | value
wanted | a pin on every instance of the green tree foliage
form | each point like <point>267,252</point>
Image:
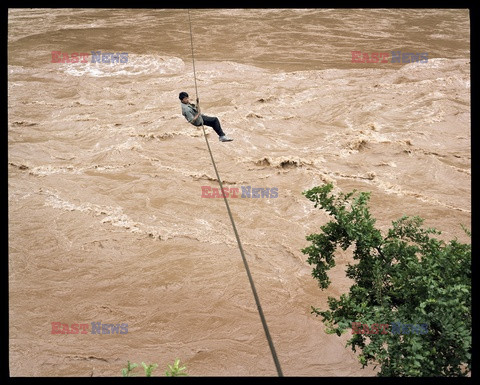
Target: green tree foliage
<point>407,276</point>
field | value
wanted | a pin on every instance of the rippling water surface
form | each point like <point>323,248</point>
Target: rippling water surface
<point>106,219</point>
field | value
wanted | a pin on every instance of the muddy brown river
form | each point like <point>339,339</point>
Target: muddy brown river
<point>107,222</point>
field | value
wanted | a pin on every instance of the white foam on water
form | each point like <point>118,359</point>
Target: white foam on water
<point>116,217</point>
<point>135,66</point>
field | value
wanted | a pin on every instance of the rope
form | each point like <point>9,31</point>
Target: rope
<point>252,285</point>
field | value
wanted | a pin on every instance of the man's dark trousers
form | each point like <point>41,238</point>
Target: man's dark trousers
<point>213,122</point>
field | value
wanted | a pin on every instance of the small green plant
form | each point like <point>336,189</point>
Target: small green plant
<point>175,370</point>
<point>127,372</point>
<point>149,369</point>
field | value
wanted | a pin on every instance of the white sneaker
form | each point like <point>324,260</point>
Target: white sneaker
<point>224,138</point>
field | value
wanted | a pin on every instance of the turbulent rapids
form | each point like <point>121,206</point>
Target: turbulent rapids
<point>108,218</point>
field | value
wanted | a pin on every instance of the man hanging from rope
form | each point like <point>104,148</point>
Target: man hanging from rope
<point>193,116</point>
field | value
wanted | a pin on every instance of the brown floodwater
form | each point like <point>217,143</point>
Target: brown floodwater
<point>106,217</point>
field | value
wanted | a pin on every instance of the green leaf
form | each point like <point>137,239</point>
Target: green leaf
<point>405,275</point>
